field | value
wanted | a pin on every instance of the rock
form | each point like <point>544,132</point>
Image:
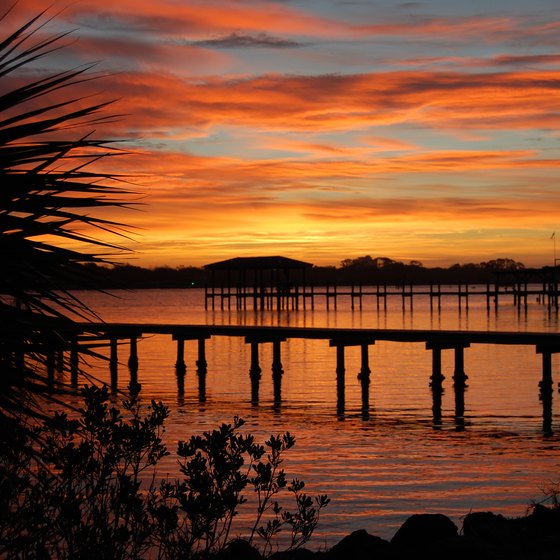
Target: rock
<point>514,537</point>
<point>467,548</point>
<point>489,527</point>
<point>424,530</point>
<point>298,554</point>
<point>359,545</point>
<point>539,532</point>
<point>535,536</point>
<point>485,536</point>
<point>239,549</point>
<point>543,521</point>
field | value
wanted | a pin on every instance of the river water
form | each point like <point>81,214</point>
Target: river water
<point>378,467</point>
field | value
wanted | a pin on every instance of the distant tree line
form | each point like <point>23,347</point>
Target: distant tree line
<point>367,270</point>
<point>358,271</point>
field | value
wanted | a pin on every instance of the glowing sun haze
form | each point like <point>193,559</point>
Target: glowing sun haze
<point>323,129</point>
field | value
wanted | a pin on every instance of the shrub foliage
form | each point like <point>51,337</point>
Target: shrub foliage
<point>94,488</point>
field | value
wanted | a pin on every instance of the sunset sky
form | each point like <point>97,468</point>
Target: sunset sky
<point>323,130</point>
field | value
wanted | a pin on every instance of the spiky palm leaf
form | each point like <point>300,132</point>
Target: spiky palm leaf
<point>49,193</point>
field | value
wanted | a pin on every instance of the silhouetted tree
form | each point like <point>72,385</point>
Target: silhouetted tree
<point>502,264</point>
<point>48,198</point>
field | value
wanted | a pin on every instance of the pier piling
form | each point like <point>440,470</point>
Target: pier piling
<point>133,363</point>
<point>201,363</point>
<point>180,365</point>
<point>364,376</point>
<point>459,375</point>
<point>277,370</point>
<point>340,379</point>
<point>546,384</point>
<point>437,377</point>
<point>114,363</point>
<point>133,358</point>
<point>254,370</point>
<point>365,371</point>
<point>263,297</point>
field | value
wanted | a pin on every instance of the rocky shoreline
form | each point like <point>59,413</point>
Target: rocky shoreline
<point>483,536</point>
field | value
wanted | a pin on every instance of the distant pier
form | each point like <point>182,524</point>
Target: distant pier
<point>263,297</point>
<point>436,341</point>
<point>261,283</point>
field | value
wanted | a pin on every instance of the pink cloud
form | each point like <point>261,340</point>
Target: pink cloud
<point>458,28</point>
<point>158,103</point>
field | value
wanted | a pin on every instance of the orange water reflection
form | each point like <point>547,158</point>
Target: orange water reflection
<point>381,466</point>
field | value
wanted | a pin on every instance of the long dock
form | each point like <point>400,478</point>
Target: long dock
<point>435,341</point>
<point>302,296</point>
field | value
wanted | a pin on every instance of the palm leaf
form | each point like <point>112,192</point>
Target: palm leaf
<point>50,189</point>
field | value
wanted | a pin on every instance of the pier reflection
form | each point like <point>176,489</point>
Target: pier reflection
<point>364,378</point>
<point>459,390</point>
<point>254,371</point>
<point>546,399</point>
<point>181,366</point>
<point>201,386</point>
<point>180,374</point>
<point>340,382</point>
<point>277,371</point>
<point>437,392</point>
<point>545,388</point>
<point>459,393</point>
<point>365,383</point>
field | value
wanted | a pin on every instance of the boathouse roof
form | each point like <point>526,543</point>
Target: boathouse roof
<point>258,263</point>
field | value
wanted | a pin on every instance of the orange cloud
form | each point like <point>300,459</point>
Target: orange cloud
<point>160,103</point>
<point>135,53</point>
<point>317,164</point>
<point>229,188</point>
<point>382,143</point>
<point>194,19</point>
<point>459,28</point>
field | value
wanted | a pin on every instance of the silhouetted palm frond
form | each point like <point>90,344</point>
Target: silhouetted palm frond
<point>50,191</point>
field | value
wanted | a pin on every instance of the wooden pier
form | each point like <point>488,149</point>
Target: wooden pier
<point>261,283</point>
<point>435,341</point>
<point>303,297</point>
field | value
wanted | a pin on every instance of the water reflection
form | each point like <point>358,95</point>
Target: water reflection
<point>545,389</point>
<point>202,386</point>
<point>488,440</point>
<point>459,389</point>
<point>180,374</point>
<point>437,392</point>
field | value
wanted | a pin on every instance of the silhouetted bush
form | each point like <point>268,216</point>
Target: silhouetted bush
<point>93,490</point>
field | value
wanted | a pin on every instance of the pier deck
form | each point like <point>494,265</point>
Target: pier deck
<point>123,330</point>
<point>436,341</point>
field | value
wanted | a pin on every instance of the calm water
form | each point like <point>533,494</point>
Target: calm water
<point>380,468</point>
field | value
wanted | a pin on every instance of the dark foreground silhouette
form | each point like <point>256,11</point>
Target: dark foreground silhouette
<point>484,536</point>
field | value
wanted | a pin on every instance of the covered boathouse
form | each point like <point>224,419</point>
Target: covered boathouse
<point>257,283</point>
